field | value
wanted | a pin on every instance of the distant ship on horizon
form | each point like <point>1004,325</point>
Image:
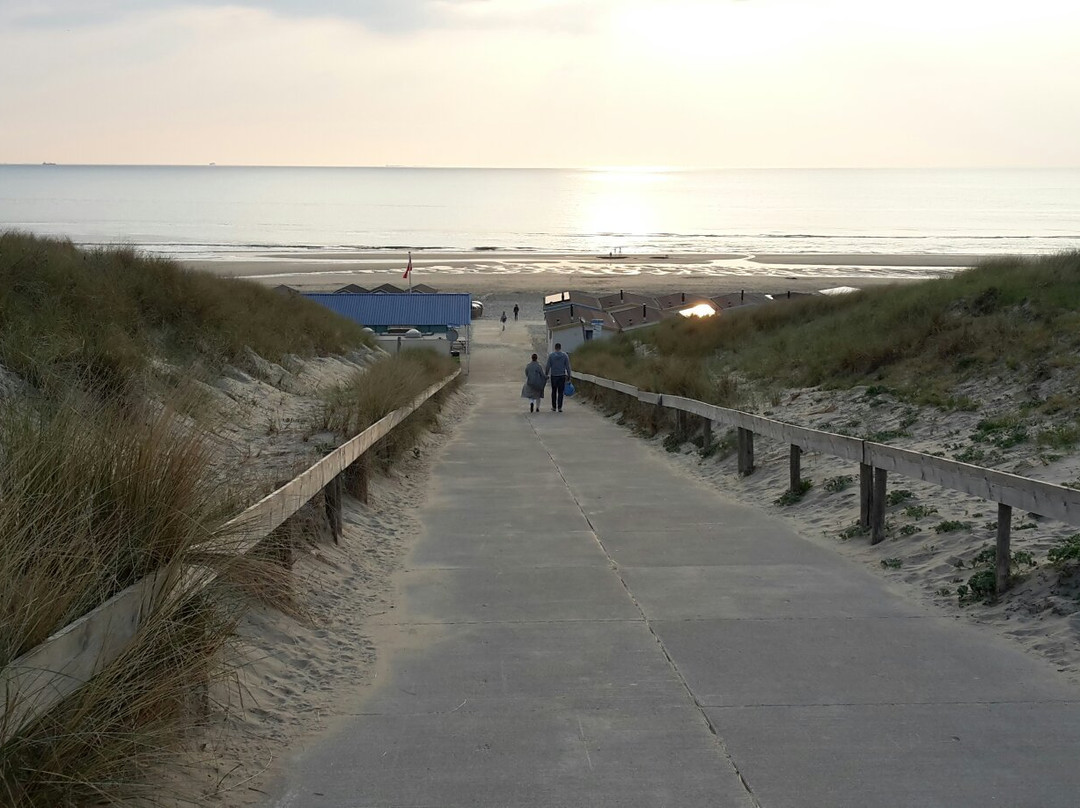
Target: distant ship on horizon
<point>48,164</point>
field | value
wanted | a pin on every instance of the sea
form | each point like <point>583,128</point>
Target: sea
<point>231,212</point>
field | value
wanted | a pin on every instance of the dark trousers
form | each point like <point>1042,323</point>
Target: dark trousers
<point>558,384</point>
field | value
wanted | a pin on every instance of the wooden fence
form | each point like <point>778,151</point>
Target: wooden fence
<point>875,460</point>
<point>40,678</point>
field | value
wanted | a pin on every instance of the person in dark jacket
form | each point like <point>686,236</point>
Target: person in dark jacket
<point>558,371</point>
<point>534,384</point>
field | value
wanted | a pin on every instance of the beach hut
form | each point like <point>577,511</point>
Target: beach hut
<point>350,289</point>
<point>734,299</point>
<point>631,319</point>
<point>387,289</point>
<point>680,303</point>
<point>575,325</point>
<point>560,300</point>
<point>424,289</point>
<point>623,299</point>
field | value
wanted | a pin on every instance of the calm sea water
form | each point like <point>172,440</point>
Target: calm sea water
<point>222,212</point>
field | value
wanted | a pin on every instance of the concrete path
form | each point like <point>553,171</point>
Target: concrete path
<point>582,625</point>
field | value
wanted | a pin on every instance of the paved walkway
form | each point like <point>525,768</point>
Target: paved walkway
<point>581,625</point>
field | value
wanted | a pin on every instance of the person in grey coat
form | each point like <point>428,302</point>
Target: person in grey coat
<point>558,370</point>
<point>534,384</point>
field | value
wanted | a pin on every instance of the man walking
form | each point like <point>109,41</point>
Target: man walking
<point>558,370</point>
<point>515,312</point>
<point>503,321</point>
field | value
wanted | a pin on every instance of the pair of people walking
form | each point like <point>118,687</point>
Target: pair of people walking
<point>557,371</point>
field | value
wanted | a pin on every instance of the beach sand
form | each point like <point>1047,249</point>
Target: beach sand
<point>485,272</point>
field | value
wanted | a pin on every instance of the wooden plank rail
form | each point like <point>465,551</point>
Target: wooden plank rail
<point>876,460</point>
<point>63,663</point>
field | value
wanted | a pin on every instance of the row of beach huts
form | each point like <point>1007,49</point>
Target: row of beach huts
<point>573,318</point>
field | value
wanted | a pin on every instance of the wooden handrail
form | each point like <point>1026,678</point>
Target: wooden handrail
<point>876,460</point>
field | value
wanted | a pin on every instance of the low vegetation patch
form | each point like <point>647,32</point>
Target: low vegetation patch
<point>920,512</point>
<point>951,526</point>
<point>982,584</point>
<point>836,484</point>
<point>1066,555</point>
<point>793,495</point>
<point>898,495</point>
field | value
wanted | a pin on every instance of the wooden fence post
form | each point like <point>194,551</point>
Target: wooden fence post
<point>795,469</point>
<point>1002,555</point>
<point>356,479</point>
<point>332,496</point>
<point>877,509</point>
<point>866,493</point>
<point>706,434</point>
<point>746,451</point>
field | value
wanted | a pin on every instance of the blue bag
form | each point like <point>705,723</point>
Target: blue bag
<point>569,390</point>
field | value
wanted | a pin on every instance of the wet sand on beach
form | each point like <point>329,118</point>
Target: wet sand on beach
<point>487,272</point>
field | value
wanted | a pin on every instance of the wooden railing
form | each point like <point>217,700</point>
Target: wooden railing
<point>876,460</point>
<point>40,678</point>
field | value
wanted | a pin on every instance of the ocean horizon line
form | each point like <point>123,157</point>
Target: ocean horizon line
<point>597,169</point>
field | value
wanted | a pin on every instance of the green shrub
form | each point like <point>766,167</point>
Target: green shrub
<point>790,497</point>
<point>920,511</point>
<point>853,530</point>
<point>836,484</point>
<point>951,526</point>
<point>982,584</point>
<point>1066,553</point>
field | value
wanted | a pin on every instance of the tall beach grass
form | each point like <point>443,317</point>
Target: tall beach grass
<point>102,317</point>
<point>1014,316</point>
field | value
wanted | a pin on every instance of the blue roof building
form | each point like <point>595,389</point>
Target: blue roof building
<point>382,313</point>
<point>441,322</point>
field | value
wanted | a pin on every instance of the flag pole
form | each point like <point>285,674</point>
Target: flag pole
<point>408,272</point>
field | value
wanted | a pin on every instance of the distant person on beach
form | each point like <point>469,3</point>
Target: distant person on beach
<point>534,384</point>
<point>558,370</point>
<point>515,312</point>
<point>503,321</point>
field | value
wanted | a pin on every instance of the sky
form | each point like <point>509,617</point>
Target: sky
<point>542,83</point>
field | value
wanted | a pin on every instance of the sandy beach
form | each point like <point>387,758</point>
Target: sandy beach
<point>484,272</point>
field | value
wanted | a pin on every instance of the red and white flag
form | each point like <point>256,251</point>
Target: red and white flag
<point>408,269</point>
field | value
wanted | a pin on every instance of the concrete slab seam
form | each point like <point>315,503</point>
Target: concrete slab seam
<point>648,624</point>
<point>965,703</point>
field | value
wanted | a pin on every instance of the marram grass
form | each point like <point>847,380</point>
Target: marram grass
<point>1014,316</point>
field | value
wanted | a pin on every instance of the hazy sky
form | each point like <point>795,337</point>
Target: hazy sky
<point>717,83</point>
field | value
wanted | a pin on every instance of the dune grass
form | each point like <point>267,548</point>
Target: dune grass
<point>99,317</point>
<point>1016,316</point>
<point>97,745</point>
<point>92,502</point>
<point>386,386</point>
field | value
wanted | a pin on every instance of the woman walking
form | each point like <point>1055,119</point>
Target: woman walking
<point>534,384</point>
